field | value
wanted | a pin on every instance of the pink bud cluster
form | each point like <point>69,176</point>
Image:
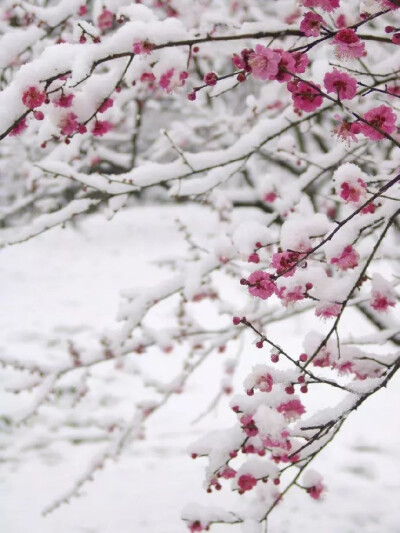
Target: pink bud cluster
<point>68,123</point>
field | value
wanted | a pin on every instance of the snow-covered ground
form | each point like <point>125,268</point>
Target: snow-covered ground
<point>65,285</point>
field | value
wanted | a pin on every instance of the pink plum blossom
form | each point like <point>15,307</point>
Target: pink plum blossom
<point>322,360</point>
<point>305,96</point>
<point>253,258</point>
<point>348,44</point>
<point>147,76</point>
<point>340,83</point>
<point>292,409</point>
<point>381,302</point>
<point>261,285</point>
<point>210,78</point>
<point>381,117</point>
<point>311,24</point>
<point>195,527</point>
<point>172,79</point>
<point>396,38</point>
<point>343,367</point>
<point>270,197</point>
<point>328,310</point>
<point>300,62</point>
<point>246,482</point>
<point>383,294</point>
<point>264,63</point>
<point>101,127</point>
<point>316,490</point>
<point>292,295</point>
<point>312,482</point>
<point>352,192</point>
<point>347,259</point>
<point>238,61</point>
<point>65,100</point>
<point>242,61</point>
<point>326,5</point>
<point>68,124</point>
<point>249,426</point>
<point>264,383</point>
<point>341,21</point>
<point>285,458</point>
<point>394,90</point>
<point>142,47</point>
<point>369,208</point>
<point>33,97</point>
<point>39,115</point>
<point>228,473</point>
<point>351,183</point>
<point>270,442</point>
<point>389,4</point>
<point>108,102</point>
<point>105,20</point>
<point>250,448</point>
<point>282,261</point>
<point>18,128</point>
<point>286,66</point>
<point>346,131</point>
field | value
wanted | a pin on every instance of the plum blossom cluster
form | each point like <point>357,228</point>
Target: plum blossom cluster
<point>276,64</point>
<point>351,184</point>
<point>383,296</point>
<point>265,433</point>
<point>152,102</point>
<point>68,122</point>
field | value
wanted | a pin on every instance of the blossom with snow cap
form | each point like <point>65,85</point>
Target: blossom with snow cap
<point>351,183</point>
<point>196,526</point>
<point>347,259</point>
<point>348,44</point>
<point>291,295</point>
<point>172,79</point>
<point>142,47</point>
<point>69,124</point>
<point>326,5</point>
<point>65,100</point>
<point>383,294</point>
<point>352,193</point>
<point>292,409</point>
<point>312,482</point>
<point>328,310</point>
